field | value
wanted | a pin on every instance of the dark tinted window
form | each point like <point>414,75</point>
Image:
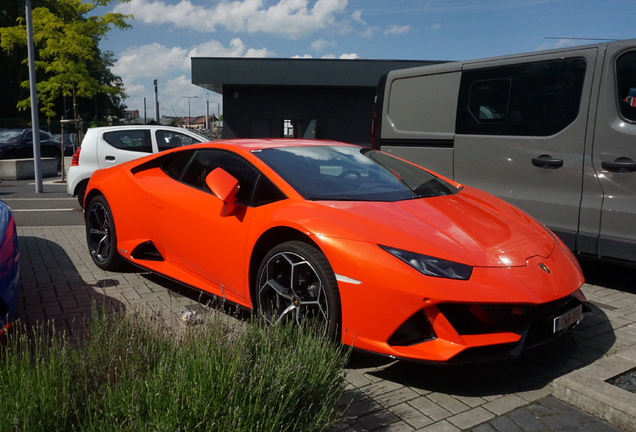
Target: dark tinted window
<point>175,164</point>
<point>626,84</point>
<point>351,173</point>
<point>130,140</point>
<point>192,167</point>
<point>531,99</point>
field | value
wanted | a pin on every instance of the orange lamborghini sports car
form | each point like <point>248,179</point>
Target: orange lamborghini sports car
<point>379,253</point>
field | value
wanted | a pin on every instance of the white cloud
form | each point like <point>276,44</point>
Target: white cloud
<point>357,16</point>
<point>395,29</point>
<point>436,26</point>
<point>368,33</point>
<point>321,44</point>
<point>157,60</point>
<point>306,56</point>
<point>351,56</point>
<point>289,18</point>
<point>328,56</point>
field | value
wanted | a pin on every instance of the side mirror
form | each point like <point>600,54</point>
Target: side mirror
<point>225,187</point>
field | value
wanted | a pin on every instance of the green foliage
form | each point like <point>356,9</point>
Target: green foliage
<point>66,39</point>
<point>132,373</point>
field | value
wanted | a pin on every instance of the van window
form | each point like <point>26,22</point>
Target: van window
<point>530,99</point>
<point>130,140</point>
<point>626,84</point>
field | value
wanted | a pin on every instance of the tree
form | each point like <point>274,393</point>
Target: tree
<point>66,40</point>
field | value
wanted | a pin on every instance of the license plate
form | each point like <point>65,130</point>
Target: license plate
<point>567,319</point>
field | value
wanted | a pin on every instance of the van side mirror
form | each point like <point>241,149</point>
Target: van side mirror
<point>225,187</point>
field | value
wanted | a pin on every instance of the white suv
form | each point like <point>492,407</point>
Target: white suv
<point>104,147</point>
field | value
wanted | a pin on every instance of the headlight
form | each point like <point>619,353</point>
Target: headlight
<point>431,266</point>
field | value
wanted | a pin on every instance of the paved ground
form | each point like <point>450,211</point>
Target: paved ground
<point>59,282</point>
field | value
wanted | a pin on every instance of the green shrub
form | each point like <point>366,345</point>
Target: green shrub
<point>133,373</point>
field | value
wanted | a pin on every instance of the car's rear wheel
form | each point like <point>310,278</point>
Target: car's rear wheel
<point>101,236</point>
<point>81,191</point>
<point>296,283</point>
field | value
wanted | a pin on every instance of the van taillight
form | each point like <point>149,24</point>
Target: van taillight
<point>75,160</point>
<point>373,129</point>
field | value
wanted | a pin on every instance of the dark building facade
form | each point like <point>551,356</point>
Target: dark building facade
<point>302,98</point>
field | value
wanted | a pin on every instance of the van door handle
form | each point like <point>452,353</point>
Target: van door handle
<point>110,158</point>
<point>547,162</point>
<point>620,165</point>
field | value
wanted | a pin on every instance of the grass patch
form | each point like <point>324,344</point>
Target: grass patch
<point>131,373</point>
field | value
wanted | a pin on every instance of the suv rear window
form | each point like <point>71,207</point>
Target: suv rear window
<point>130,140</point>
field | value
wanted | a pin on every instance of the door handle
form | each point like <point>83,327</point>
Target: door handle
<point>547,162</point>
<point>620,165</point>
<point>110,158</point>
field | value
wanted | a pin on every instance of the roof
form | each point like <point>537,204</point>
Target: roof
<point>213,73</point>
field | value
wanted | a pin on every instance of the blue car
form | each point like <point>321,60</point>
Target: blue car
<point>9,267</point>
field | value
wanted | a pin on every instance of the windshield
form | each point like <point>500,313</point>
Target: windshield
<point>10,136</point>
<point>349,173</point>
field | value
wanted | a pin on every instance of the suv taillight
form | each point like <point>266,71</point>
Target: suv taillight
<point>75,160</point>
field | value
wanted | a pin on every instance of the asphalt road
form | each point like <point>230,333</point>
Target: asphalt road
<point>51,207</point>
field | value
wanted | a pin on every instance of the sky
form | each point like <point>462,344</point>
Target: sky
<point>166,34</point>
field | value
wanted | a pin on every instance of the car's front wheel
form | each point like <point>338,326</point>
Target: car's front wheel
<point>296,283</point>
<point>101,235</point>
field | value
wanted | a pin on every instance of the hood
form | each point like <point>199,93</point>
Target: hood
<point>471,227</point>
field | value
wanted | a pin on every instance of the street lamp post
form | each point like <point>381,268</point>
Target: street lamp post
<point>188,98</point>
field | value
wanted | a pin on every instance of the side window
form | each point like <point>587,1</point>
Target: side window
<point>205,161</point>
<point>174,164</point>
<point>626,85</point>
<point>130,140</point>
<point>44,136</point>
<point>530,99</point>
<point>167,139</point>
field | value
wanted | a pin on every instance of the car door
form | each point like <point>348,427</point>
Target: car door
<point>188,222</point>
<point>614,152</point>
<point>118,146</point>
<point>521,133</point>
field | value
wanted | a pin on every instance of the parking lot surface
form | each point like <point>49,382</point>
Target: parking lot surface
<point>60,282</point>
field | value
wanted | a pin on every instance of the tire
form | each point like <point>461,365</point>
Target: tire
<point>295,283</point>
<point>81,192</point>
<point>101,236</point>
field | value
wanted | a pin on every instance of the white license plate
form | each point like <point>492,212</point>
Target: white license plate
<point>567,319</point>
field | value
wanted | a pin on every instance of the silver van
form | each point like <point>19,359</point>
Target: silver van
<point>552,132</point>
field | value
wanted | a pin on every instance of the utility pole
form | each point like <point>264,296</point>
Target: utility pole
<point>207,111</point>
<point>35,122</point>
<point>189,97</point>
<point>157,119</point>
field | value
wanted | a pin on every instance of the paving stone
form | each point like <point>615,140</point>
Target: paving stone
<point>430,408</point>
<point>396,397</point>
<point>362,408</point>
<point>505,424</point>
<point>505,404</point>
<point>381,387</point>
<point>442,426</point>
<point>448,402</point>
<point>378,419</point>
<point>471,418</point>
<point>399,426</point>
<point>410,415</point>
<point>483,428</point>
<point>526,420</point>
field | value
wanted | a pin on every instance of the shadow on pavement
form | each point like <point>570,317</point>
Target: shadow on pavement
<point>533,370</point>
<point>54,290</point>
<point>609,274</point>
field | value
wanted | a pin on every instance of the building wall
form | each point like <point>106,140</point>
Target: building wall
<point>342,113</point>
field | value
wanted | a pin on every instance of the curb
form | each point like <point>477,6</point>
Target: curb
<point>588,390</point>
